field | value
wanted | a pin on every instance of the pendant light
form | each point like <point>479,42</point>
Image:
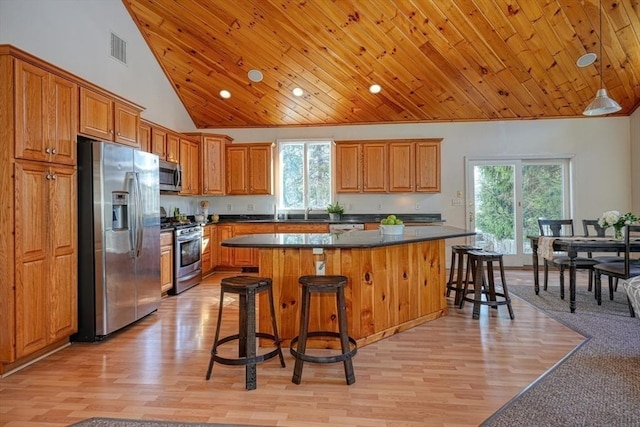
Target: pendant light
<point>602,104</point>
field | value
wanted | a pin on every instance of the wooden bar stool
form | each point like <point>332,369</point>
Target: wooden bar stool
<point>348,345</point>
<point>476,260</point>
<point>458,255</point>
<point>247,287</point>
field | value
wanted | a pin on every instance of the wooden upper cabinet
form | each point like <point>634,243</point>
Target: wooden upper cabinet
<point>388,166</point>
<point>428,166</point>
<point>144,136</point>
<point>107,119</point>
<point>348,168</point>
<point>46,115</point>
<point>213,163</point>
<point>173,147</point>
<point>190,162</point>
<point>260,168</point>
<point>248,168</point>
<point>159,142</point>
<point>374,167</point>
<point>401,167</point>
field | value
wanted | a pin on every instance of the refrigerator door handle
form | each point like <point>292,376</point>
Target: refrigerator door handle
<point>139,217</point>
<point>130,185</point>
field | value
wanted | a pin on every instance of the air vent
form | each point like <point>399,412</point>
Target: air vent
<point>118,48</point>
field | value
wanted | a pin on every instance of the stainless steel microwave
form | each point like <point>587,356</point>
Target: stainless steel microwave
<point>170,177</point>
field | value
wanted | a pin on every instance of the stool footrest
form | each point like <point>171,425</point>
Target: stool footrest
<point>324,359</point>
<point>506,301</point>
<point>246,360</point>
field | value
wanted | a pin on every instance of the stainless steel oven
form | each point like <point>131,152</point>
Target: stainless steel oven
<point>187,257</point>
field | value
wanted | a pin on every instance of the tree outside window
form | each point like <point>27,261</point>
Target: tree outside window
<point>304,175</point>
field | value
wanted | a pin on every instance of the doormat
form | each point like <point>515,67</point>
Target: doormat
<point>121,422</point>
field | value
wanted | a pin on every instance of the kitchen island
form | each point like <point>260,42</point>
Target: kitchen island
<point>395,282</point>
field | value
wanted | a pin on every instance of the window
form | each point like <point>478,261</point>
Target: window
<point>304,174</point>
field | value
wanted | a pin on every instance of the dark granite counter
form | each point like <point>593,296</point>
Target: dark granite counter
<point>351,239</point>
<point>324,218</point>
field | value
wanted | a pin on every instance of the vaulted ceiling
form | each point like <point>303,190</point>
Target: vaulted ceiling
<point>445,60</point>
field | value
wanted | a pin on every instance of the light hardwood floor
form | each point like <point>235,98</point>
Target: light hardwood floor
<point>453,371</point>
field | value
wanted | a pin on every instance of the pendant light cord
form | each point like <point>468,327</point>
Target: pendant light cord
<point>601,57</point>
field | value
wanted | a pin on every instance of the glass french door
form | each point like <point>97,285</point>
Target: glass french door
<point>505,198</point>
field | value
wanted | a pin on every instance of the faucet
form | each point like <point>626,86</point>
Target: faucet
<point>306,213</point>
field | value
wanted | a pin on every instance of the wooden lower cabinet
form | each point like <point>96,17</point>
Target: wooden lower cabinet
<point>248,257</point>
<point>166,261</point>
<point>45,255</point>
<point>208,240</point>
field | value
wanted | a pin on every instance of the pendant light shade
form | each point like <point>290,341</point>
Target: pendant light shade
<point>602,104</point>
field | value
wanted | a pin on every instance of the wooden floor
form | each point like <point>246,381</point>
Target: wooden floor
<point>453,371</point>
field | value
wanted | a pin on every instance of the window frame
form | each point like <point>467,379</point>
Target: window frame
<point>278,190</point>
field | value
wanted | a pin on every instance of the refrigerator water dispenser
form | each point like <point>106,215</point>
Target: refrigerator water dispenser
<point>120,210</point>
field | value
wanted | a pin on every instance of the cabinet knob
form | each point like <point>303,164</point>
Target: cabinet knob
<point>54,151</point>
<point>118,134</point>
<point>48,176</point>
<point>47,150</point>
<point>111,131</point>
<point>54,176</point>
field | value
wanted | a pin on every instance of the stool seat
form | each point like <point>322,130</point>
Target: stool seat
<point>247,287</point>
<point>485,286</point>
<point>349,347</point>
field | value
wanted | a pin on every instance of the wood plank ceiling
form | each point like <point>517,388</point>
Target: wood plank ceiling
<point>463,60</point>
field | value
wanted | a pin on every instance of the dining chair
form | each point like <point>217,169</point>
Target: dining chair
<point>628,268</point>
<point>591,227</point>
<point>562,228</point>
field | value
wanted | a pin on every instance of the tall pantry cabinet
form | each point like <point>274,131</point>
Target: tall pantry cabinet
<point>38,213</point>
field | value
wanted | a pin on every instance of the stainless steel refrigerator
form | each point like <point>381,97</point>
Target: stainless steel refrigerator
<point>118,237</point>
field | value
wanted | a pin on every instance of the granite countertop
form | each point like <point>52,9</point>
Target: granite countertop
<point>323,218</point>
<point>351,239</point>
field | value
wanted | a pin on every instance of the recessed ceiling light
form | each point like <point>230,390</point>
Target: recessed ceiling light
<point>297,91</point>
<point>255,75</point>
<point>586,60</point>
<point>375,88</point>
<point>225,94</point>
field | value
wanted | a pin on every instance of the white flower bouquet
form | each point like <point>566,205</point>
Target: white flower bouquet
<point>617,221</point>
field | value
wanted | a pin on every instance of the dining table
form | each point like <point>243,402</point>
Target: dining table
<point>573,246</point>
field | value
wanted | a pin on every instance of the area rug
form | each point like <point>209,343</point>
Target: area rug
<point>120,422</point>
<point>599,383</point>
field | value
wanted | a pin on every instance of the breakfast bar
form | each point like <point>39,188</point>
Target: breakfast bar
<point>395,281</point>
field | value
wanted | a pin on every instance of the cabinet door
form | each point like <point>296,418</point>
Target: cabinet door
<point>173,147</point>
<point>401,167</point>
<point>166,268</point>
<point>236,170</point>
<point>63,120</point>
<point>159,143</point>
<point>96,115</point>
<point>144,133</point>
<point>226,254</point>
<point>213,152</point>
<point>248,257</point>
<point>46,255</point>
<point>259,170</point>
<point>206,249</point>
<point>302,228</point>
<point>428,166</point>
<point>32,245</point>
<point>215,247</point>
<point>126,124</point>
<point>348,168</point>
<point>194,167</point>
<point>62,288</point>
<point>374,168</point>
<point>31,112</point>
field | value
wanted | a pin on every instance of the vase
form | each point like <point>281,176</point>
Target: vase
<point>334,216</point>
<point>617,234</point>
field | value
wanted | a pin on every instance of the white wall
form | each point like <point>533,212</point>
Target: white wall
<point>600,150</point>
<point>635,160</point>
<point>75,35</point>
